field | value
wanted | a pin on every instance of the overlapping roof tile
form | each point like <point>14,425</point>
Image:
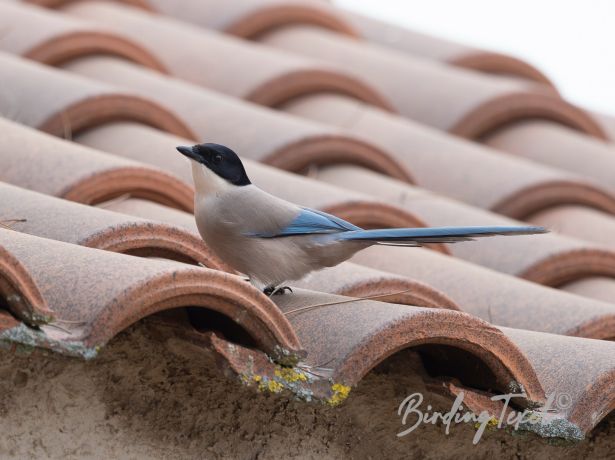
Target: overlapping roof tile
<point>271,137</point>
<point>414,145</point>
<point>351,347</point>
<point>95,294</point>
<point>49,217</point>
<point>70,103</point>
<point>465,103</point>
<point>63,169</point>
<point>555,145</point>
<point>499,298</point>
<point>563,367</point>
<point>428,46</point>
<point>551,260</point>
<point>52,39</point>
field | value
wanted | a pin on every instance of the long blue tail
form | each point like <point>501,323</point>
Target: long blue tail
<point>419,236</point>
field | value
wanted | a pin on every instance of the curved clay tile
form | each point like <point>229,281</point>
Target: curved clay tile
<point>250,18</point>
<point>53,38</point>
<point>597,287</point>
<point>64,169</point>
<point>96,294</point>
<point>350,338</point>
<point>548,259</point>
<point>7,323</point>
<point>70,103</point>
<point>500,299</point>
<point>442,50</point>
<point>608,124</point>
<point>266,135</point>
<point>19,292</point>
<point>451,99</point>
<point>580,373</point>
<point>358,281</point>
<point>481,176</point>
<point>151,211</point>
<point>157,148</point>
<point>274,77</point>
<point>62,220</point>
<point>578,221</point>
<point>547,142</point>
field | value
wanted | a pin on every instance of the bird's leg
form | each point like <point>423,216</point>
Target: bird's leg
<point>276,290</point>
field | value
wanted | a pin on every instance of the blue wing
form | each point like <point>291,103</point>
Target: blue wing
<point>310,221</point>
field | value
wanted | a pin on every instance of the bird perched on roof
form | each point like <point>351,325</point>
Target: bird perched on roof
<point>273,241</point>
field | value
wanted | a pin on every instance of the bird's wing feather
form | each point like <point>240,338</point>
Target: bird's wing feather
<point>310,221</point>
<point>418,236</point>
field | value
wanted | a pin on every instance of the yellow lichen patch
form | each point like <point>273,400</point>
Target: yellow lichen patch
<point>271,386</point>
<point>340,393</point>
<point>491,423</point>
<point>257,378</point>
<point>290,375</point>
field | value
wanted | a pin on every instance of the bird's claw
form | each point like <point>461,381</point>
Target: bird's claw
<point>272,290</point>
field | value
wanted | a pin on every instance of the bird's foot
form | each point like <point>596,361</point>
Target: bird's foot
<point>273,290</point>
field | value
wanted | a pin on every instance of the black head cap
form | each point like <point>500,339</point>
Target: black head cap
<point>219,159</point>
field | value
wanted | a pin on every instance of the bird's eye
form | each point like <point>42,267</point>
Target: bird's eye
<point>217,159</point>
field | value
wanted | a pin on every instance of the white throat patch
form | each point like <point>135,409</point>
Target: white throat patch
<point>207,182</point>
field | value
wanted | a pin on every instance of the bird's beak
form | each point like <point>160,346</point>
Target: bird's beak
<point>187,151</point>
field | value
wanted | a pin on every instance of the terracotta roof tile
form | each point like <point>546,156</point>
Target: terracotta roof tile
<point>275,77</point>
<point>152,211</point>
<point>584,386</point>
<point>249,18</point>
<point>77,173</point>
<point>54,38</point>
<point>597,287</point>
<point>482,177</point>
<point>452,99</point>
<point>266,135</point>
<point>607,122</point>
<point>578,221</point>
<point>552,259</point>
<point>546,142</point>
<point>96,294</point>
<point>351,338</point>
<point>71,103</point>
<point>62,220</point>
<point>501,299</point>
<point>428,46</point>
<point>20,294</point>
<point>359,281</point>
<point>539,187</point>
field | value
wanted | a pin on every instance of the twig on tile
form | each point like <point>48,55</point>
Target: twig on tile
<point>113,201</point>
<point>354,299</point>
<point>67,321</point>
<point>67,128</point>
<point>55,326</point>
<point>8,223</point>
